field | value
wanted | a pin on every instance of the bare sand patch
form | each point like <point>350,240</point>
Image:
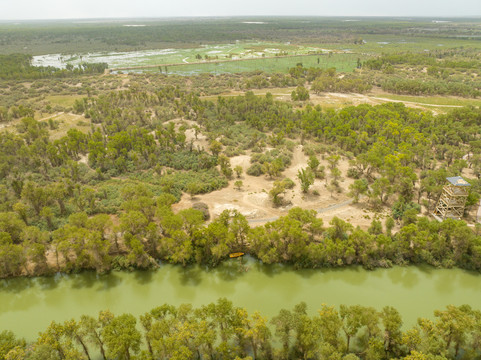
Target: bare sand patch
<point>253,201</point>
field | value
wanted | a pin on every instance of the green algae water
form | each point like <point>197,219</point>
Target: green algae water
<point>27,306</point>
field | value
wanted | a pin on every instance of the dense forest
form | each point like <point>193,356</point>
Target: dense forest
<point>223,331</point>
<point>55,202</point>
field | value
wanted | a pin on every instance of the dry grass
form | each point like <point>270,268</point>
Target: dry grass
<point>63,100</point>
<point>67,121</point>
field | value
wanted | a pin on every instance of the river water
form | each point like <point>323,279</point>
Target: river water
<point>27,306</point>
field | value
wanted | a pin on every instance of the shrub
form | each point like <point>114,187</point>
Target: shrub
<point>238,184</point>
<point>399,208</point>
<point>288,183</point>
<point>353,173</point>
<point>255,170</point>
<point>203,207</point>
<point>208,180</point>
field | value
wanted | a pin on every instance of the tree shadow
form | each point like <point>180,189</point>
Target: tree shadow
<point>405,276</point>
<point>108,281</point>
<point>190,275</point>
<point>16,285</point>
<point>144,276</point>
<point>271,270</point>
<point>49,282</point>
<point>352,274</point>
<point>86,279</point>
<point>91,279</point>
<point>232,269</point>
<point>18,294</point>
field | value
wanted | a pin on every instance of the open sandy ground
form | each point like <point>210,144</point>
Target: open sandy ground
<point>253,201</point>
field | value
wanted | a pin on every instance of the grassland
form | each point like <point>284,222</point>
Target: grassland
<point>63,100</point>
<point>343,62</point>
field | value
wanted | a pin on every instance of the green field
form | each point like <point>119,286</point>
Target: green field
<point>343,62</point>
<point>219,58</point>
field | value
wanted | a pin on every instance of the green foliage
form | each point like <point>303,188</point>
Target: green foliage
<point>8,343</point>
<point>121,336</point>
<point>275,193</point>
<point>272,162</point>
<point>255,170</point>
<point>238,184</point>
<point>225,166</point>
<point>151,231</point>
<point>220,328</point>
<point>399,208</point>
<point>306,178</point>
<point>300,94</point>
<point>207,180</point>
<point>437,79</point>
<point>288,183</point>
<point>238,170</point>
<point>136,137</point>
<point>215,147</point>
<point>187,160</point>
<point>432,87</point>
<point>358,188</point>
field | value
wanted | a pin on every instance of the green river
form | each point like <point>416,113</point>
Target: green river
<point>27,306</point>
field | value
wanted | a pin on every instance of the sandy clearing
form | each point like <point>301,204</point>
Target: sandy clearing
<point>253,200</point>
<point>200,143</point>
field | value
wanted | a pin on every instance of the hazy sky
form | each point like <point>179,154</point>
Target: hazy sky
<point>68,9</point>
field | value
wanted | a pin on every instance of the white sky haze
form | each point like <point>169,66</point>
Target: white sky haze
<point>69,9</point>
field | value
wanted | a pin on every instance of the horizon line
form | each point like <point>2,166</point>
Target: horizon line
<point>173,17</point>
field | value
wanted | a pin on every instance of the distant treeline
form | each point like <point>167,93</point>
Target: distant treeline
<point>64,37</point>
<point>19,67</point>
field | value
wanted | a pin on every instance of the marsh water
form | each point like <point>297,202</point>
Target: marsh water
<point>27,306</point>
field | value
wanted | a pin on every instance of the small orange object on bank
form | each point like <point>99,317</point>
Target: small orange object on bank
<point>234,255</point>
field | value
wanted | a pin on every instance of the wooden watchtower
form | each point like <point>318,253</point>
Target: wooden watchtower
<point>453,199</point>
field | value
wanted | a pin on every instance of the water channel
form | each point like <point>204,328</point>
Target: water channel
<point>27,306</point>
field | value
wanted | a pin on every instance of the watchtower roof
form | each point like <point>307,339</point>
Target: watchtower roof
<point>458,181</point>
